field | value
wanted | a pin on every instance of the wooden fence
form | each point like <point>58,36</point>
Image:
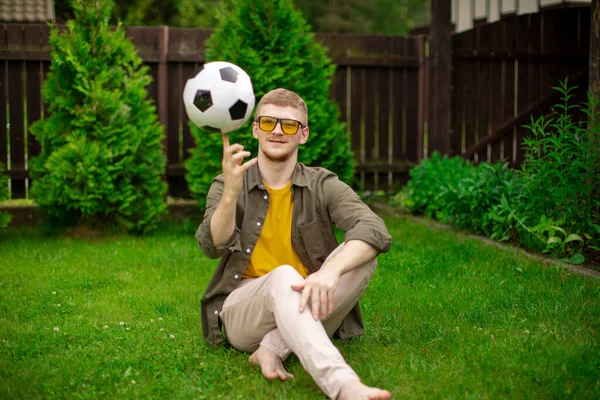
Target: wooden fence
<point>502,72</point>
<point>376,85</point>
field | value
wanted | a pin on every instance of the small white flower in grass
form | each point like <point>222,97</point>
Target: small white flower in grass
<point>127,328</point>
<point>133,382</point>
<point>53,292</point>
<point>172,336</point>
<point>121,323</point>
<point>56,329</point>
<point>161,329</point>
<point>160,318</point>
<point>105,327</point>
<point>58,305</point>
<point>152,320</point>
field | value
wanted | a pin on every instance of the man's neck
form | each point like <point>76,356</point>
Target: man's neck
<point>276,174</point>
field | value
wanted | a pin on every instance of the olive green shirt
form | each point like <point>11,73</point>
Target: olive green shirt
<point>321,201</point>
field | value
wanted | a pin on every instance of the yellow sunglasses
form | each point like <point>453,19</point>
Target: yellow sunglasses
<point>288,126</point>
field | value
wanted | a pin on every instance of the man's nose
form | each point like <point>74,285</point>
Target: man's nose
<point>277,129</point>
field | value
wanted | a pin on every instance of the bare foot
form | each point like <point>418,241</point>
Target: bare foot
<point>270,364</point>
<point>356,390</point>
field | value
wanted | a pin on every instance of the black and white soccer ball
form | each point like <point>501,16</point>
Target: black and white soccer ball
<point>219,97</point>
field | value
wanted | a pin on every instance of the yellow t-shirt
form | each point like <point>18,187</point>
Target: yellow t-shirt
<point>274,245</point>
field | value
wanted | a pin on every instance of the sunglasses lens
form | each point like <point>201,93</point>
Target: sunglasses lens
<point>267,124</point>
<point>289,126</point>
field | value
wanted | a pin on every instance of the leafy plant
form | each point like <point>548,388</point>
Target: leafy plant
<point>101,148</point>
<point>432,181</point>
<point>271,41</point>
<point>558,242</point>
<point>562,162</point>
<point>5,218</point>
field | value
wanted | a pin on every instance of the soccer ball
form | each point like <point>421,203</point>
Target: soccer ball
<point>219,97</point>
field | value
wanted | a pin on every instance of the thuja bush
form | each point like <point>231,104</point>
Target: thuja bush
<point>101,153</point>
<point>4,217</point>
<point>272,42</point>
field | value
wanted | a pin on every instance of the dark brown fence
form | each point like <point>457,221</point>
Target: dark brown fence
<point>377,86</point>
<point>504,71</point>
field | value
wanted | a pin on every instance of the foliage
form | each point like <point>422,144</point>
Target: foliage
<point>387,17</point>
<point>561,167</point>
<point>454,191</point>
<point>552,204</point>
<point>4,217</point>
<point>270,40</point>
<point>101,148</point>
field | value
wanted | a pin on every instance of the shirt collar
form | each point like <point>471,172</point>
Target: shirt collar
<point>299,177</point>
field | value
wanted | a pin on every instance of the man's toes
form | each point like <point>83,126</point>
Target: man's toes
<point>270,375</point>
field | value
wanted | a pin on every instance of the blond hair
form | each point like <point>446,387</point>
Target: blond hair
<point>284,98</point>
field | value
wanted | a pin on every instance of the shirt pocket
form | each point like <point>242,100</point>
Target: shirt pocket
<point>314,242</point>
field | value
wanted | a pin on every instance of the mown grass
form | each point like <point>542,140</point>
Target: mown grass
<point>446,317</point>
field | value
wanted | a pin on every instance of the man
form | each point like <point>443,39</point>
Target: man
<point>283,284</point>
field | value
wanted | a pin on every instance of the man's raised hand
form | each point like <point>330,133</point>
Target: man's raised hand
<point>233,169</point>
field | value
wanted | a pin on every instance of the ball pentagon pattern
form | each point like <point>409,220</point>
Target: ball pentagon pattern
<point>219,97</point>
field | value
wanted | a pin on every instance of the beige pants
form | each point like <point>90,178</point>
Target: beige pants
<point>264,311</point>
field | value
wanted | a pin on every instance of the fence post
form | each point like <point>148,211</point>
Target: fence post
<point>440,77</point>
<point>423,95</point>
<point>163,82</point>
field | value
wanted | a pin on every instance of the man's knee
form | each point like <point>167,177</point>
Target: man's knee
<point>286,274</point>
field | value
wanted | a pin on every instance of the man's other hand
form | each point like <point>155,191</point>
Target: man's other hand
<point>319,288</point>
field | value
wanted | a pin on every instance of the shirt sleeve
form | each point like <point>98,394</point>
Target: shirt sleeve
<point>204,235</point>
<point>350,214</point>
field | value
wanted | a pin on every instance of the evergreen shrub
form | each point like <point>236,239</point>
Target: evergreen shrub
<point>272,42</point>
<point>101,146</point>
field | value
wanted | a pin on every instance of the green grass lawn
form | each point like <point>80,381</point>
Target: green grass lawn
<point>446,317</point>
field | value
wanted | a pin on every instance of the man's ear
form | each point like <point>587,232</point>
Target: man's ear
<point>304,135</point>
<point>254,130</point>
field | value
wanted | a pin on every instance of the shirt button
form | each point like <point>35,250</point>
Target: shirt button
<point>216,312</point>
<point>258,223</point>
<point>247,250</point>
<point>236,276</point>
<point>265,197</point>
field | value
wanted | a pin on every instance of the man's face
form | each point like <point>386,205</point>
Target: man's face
<point>277,146</point>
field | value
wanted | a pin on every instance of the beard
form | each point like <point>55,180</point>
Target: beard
<point>278,157</point>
